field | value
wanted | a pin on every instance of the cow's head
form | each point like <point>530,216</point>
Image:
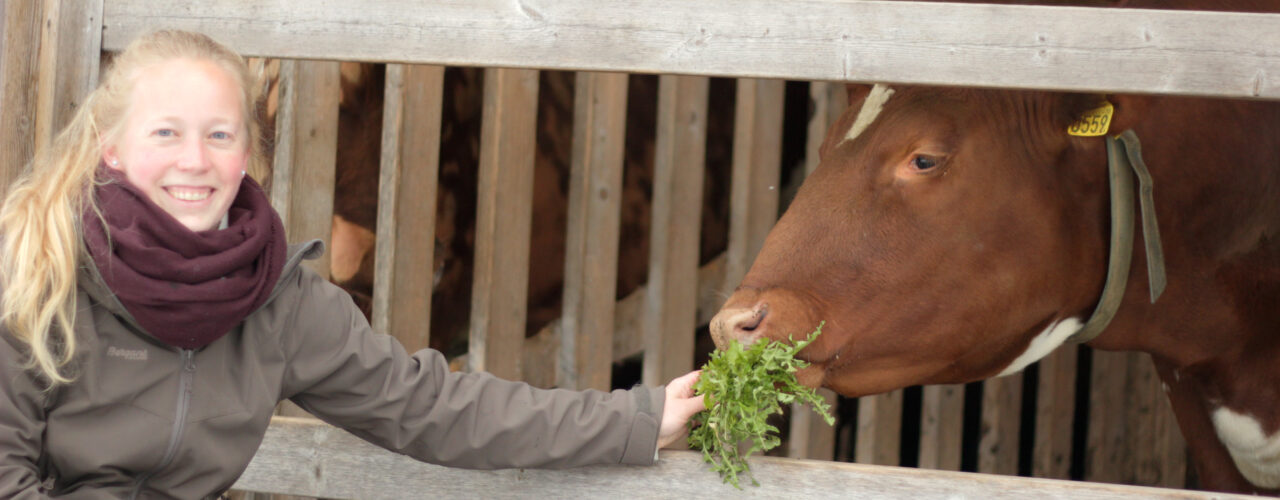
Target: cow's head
<point>943,232</point>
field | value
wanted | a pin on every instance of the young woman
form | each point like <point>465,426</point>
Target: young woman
<point>153,315</point>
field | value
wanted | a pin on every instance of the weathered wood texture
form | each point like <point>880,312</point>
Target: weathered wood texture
<point>941,422</point>
<point>305,457</point>
<point>595,217</point>
<point>1001,417</point>
<point>306,146</point>
<point>680,163</point>
<point>1132,436</point>
<point>1024,46</point>
<point>70,44</point>
<point>503,222</point>
<point>407,184</point>
<point>879,437</point>
<point>1055,407</point>
<point>19,64</point>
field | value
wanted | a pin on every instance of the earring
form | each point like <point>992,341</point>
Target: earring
<point>114,162</point>
<point>243,173</point>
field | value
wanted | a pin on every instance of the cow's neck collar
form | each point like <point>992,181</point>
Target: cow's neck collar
<point>1124,159</point>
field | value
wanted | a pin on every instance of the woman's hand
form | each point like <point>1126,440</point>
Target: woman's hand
<point>680,405</point>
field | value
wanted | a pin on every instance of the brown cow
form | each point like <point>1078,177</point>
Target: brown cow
<point>951,235</point>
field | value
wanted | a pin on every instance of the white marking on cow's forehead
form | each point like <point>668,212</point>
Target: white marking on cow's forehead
<point>1048,340</point>
<point>871,107</point>
<point>1256,454</point>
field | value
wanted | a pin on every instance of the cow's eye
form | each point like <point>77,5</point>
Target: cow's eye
<point>925,162</point>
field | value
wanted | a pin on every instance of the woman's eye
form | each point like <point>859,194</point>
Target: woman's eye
<point>222,136</point>
<point>924,162</point>
<point>165,132</point>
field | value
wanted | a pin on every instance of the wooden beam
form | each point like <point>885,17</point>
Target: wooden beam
<point>307,457</point>
<point>941,426</point>
<point>670,314</point>
<point>19,64</point>
<point>503,208</point>
<point>1011,46</point>
<point>407,185</point>
<point>829,101</point>
<point>591,253</point>
<point>879,437</point>
<point>1055,409</point>
<point>70,48</point>
<point>304,170</point>
<point>1001,417</point>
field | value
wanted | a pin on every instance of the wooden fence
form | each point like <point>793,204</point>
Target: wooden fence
<point>51,57</point>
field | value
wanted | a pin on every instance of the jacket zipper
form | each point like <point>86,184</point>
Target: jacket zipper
<point>185,378</point>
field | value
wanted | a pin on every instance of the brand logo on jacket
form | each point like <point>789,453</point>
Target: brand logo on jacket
<point>127,354</point>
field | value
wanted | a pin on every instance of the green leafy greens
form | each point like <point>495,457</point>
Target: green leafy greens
<point>743,387</point>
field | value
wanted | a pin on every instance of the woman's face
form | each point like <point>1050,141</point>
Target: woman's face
<point>184,140</point>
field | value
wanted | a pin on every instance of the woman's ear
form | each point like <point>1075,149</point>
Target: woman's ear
<point>109,156</point>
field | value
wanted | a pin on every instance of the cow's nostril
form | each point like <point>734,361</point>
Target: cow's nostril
<point>755,320</point>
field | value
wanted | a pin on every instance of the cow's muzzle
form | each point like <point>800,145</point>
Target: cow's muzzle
<point>741,324</point>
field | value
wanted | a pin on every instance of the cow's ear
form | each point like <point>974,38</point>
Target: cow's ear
<point>1129,111</point>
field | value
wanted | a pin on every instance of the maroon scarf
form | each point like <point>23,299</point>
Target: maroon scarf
<point>185,288</point>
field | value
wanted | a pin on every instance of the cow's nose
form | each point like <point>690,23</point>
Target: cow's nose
<point>742,324</point>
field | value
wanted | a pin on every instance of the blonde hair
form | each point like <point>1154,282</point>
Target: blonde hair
<point>40,234</point>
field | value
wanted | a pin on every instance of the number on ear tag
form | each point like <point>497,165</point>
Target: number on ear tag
<point>1094,122</point>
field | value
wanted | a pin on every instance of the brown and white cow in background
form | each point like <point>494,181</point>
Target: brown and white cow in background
<point>951,235</point>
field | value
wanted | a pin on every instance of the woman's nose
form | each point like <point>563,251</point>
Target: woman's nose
<point>193,154</point>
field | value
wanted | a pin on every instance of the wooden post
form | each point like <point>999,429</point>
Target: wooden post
<point>407,185</point>
<point>941,426</point>
<point>591,250</point>
<point>1001,417</point>
<point>679,169</point>
<point>757,158</point>
<point>1108,456</point>
<point>1055,408</point>
<point>879,438</point>
<point>19,63</point>
<point>501,287</point>
<point>306,147</point>
<point>829,102</point>
<point>70,47</point>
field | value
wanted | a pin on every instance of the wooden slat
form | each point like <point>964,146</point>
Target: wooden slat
<point>1001,415</point>
<point>407,185</point>
<point>70,46</point>
<point>503,222</point>
<point>1158,447</point>
<point>19,62</point>
<point>1055,407</point>
<point>1183,52</point>
<point>810,436</point>
<point>829,101</point>
<point>305,457</point>
<point>679,166</point>
<point>1108,457</point>
<point>941,426</point>
<point>879,438</point>
<point>307,142</point>
<point>591,256</point>
<point>757,157</point>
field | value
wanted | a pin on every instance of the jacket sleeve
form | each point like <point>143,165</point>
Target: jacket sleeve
<point>21,424</point>
<point>347,375</point>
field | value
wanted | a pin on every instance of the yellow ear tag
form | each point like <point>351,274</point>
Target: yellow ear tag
<point>1094,122</point>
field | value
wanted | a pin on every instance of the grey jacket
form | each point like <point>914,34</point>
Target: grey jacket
<point>145,420</point>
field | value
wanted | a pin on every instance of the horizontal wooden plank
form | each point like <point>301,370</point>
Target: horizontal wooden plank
<point>306,457</point>
<point>1072,48</point>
